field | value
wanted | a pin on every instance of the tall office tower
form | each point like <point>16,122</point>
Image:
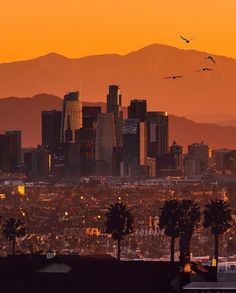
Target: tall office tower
<point>171,164</point>
<point>220,159</point>
<point>201,152</point>
<point>71,117</point>
<point>72,159</point>
<point>134,154</point>
<point>157,133</point>
<point>51,130</point>
<point>230,162</point>
<point>38,162</point>
<point>138,110</point>
<point>191,166</point>
<point>8,152</point>
<point>114,105</point>
<point>85,138</point>
<point>90,116</point>
<point>104,143</point>
<point>18,142</point>
<point>177,152</point>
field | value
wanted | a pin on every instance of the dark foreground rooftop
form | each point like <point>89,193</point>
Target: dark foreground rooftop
<point>73,273</point>
<point>211,285</point>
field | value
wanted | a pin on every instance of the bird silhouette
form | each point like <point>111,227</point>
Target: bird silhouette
<point>174,77</point>
<point>211,58</point>
<point>204,69</point>
<point>186,40</point>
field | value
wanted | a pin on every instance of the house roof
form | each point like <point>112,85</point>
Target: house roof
<point>210,285</point>
<point>89,273</point>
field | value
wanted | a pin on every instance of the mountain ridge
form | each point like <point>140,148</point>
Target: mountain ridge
<point>55,54</point>
<point>140,74</point>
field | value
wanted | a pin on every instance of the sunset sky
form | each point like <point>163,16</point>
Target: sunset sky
<point>75,28</point>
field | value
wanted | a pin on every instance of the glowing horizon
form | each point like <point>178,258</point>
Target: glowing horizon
<point>76,28</point>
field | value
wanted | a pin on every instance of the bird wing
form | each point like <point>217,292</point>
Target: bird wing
<point>206,69</point>
<point>212,59</point>
<point>173,77</point>
<point>183,38</point>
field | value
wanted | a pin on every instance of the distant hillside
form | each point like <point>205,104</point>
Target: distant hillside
<point>141,74</point>
<point>25,114</point>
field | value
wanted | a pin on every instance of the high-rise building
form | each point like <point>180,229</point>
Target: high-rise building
<point>201,153</point>
<point>8,152</point>
<point>51,130</point>
<point>220,159</point>
<point>17,133</point>
<point>114,105</point>
<point>151,163</point>
<point>85,138</point>
<point>38,162</point>
<point>191,166</point>
<point>71,116</point>
<point>104,143</point>
<point>72,159</point>
<point>138,110</point>
<point>177,151</point>
<point>157,133</point>
<point>90,116</point>
<point>166,165</point>
<point>134,153</point>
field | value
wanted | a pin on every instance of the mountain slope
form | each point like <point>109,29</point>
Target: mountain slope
<point>25,114</point>
<point>141,74</point>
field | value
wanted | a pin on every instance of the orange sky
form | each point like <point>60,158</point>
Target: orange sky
<point>76,28</point>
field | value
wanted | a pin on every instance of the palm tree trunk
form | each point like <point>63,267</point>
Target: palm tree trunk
<point>172,249</point>
<point>13,246</point>
<point>184,244</point>
<point>216,247</point>
<point>118,249</point>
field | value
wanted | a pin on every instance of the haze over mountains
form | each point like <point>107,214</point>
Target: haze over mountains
<point>141,74</point>
<point>25,114</point>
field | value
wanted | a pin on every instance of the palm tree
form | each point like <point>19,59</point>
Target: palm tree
<point>119,223</point>
<point>217,216</point>
<point>168,220</point>
<point>189,218</point>
<point>13,229</point>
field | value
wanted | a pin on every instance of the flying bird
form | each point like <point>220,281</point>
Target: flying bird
<point>186,40</point>
<point>211,58</point>
<point>204,69</point>
<point>174,77</point>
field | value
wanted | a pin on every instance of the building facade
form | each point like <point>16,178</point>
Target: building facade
<point>134,153</point>
<point>138,110</point>
<point>51,130</point>
<point>71,116</point>
<point>114,106</point>
<point>157,133</point>
<point>104,143</point>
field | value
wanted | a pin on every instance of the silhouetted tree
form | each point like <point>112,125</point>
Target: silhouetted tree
<point>168,220</point>
<point>119,223</point>
<point>189,218</point>
<point>13,229</point>
<point>217,216</point>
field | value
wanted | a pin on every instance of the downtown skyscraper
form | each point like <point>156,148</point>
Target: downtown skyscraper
<point>114,105</point>
<point>71,116</point>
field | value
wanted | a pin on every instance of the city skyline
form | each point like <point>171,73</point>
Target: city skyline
<point>117,146</point>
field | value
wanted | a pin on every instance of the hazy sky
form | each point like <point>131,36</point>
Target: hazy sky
<point>76,28</point>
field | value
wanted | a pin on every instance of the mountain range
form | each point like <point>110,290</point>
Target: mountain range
<point>25,114</point>
<point>140,74</point>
